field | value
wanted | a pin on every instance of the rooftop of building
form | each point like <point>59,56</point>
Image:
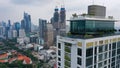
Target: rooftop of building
<point>91,17</point>
<point>90,36</point>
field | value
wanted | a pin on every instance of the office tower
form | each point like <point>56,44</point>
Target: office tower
<point>59,22</point>
<point>23,24</point>
<point>1,31</point>
<point>97,10</point>
<point>42,31</point>
<point>56,15</point>
<point>10,31</point>
<point>10,34</point>
<point>9,23</point>
<point>62,21</point>
<point>22,33</point>
<point>14,33</point>
<point>92,43</point>
<point>49,34</point>
<point>17,27</point>
<point>26,23</point>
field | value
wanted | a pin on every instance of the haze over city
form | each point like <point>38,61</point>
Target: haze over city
<point>14,9</point>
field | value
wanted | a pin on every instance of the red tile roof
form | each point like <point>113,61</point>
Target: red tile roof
<point>3,56</point>
<point>3,61</point>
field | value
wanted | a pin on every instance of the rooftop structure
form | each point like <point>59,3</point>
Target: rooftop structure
<point>87,24</point>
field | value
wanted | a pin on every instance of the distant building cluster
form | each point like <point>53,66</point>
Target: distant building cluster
<point>17,29</point>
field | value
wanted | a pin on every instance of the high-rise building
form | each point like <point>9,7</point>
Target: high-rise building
<point>42,31</point>
<point>92,43</point>
<point>1,31</point>
<point>62,15</point>
<point>49,34</point>
<point>59,22</point>
<point>26,23</point>
<point>23,24</point>
<point>56,15</point>
<point>17,27</point>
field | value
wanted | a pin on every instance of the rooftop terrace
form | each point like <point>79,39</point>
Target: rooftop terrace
<point>91,17</point>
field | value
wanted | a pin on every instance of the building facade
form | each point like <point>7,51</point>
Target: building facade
<point>49,34</point>
<point>26,23</point>
<point>102,52</point>
<point>92,43</point>
<point>42,31</point>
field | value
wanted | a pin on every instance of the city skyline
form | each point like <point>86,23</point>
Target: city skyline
<point>14,9</point>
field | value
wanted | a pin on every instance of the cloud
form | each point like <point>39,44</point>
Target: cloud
<point>30,2</point>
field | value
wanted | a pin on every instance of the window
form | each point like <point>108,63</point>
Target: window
<point>59,59</point>
<point>79,61</point>
<point>106,47</point>
<point>113,53</point>
<point>59,63</point>
<point>109,46</point>
<point>114,46</point>
<point>59,53</point>
<point>118,45</point>
<point>59,45</point>
<point>99,65</point>
<point>100,49</point>
<point>113,64</point>
<point>94,66</point>
<point>100,57</point>
<point>105,67</point>
<point>79,51</point>
<point>95,59</point>
<point>89,61</point>
<point>95,50</point>
<point>105,62</point>
<point>113,59</point>
<point>109,54</point>
<point>105,55</point>
<point>109,61</point>
<point>89,52</point>
<point>118,51</point>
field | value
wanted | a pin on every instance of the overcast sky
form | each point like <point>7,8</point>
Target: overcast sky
<point>13,9</point>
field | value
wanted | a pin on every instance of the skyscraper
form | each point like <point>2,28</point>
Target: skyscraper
<point>26,23</point>
<point>92,43</point>
<point>23,24</point>
<point>49,34</point>
<point>62,15</point>
<point>59,22</point>
<point>56,15</point>
<point>42,31</point>
<point>17,27</point>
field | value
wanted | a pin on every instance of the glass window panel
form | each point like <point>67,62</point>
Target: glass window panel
<point>89,52</point>
<point>79,51</point>
<point>89,61</point>
<point>79,61</point>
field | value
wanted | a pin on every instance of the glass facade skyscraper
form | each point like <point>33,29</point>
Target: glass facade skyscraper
<point>26,23</point>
